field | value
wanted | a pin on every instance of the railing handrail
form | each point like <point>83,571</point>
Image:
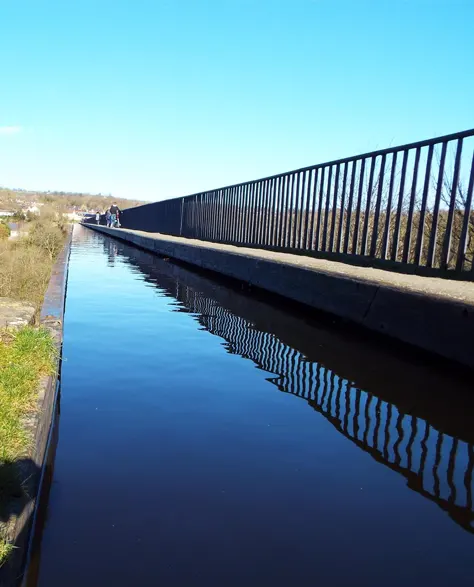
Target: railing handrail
<point>418,144</point>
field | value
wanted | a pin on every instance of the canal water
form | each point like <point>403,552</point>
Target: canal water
<point>207,437</point>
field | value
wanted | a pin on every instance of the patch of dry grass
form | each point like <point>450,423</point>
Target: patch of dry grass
<point>26,262</point>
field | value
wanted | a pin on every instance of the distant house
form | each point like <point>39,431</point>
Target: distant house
<point>73,216</point>
<point>17,229</point>
<point>6,213</point>
<point>14,229</point>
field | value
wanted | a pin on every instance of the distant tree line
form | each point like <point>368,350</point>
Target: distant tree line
<point>17,199</point>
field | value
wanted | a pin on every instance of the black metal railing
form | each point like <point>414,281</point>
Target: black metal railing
<point>409,205</point>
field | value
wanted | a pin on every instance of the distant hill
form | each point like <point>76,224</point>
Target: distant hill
<point>18,199</point>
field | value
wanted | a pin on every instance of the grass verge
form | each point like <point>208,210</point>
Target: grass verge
<point>25,356</point>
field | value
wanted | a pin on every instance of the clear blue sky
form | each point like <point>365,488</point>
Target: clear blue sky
<point>162,98</point>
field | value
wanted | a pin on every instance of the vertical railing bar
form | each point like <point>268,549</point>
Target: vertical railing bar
<point>256,212</point>
<point>222,217</point>
<point>313,209</point>
<point>192,232</point>
<point>260,211</point>
<point>267,213</point>
<point>289,211</point>
<point>227,214</point>
<point>248,228</point>
<point>197,224</point>
<point>243,211</point>
<point>302,202</point>
<point>398,218</point>
<point>274,226</point>
<point>275,206</point>
<point>421,226</point>
<point>452,205</point>
<point>343,202</point>
<point>251,213</point>
<point>304,244</point>
<point>231,214</point>
<point>206,216</point>
<point>217,209</point>
<point>197,216</point>
<point>261,195</point>
<point>215,219</point>
<point>191,218</point>
<point>271,211</point>
<point>281,208</point>
<point>296,194</point>
<point>201,215</point>
<point>320,208</point>
<point>465,225</point>
<point>370,187</point>
<point>284,208</point>
<point>264,213</point>
<point>210,215</point>
<point>378,204</point>
<point>185,216</point>
<point>240,214</point>
<point>218,215</point>
<point>411,209</point>
<point>236,214</point>
<point>213,216</point>
<point>334,209</point>
<point>326,213</point>
<point>388,215</point>
<point>434,226</point>
<point>245,202</point>
<point>355,238</point>
<point>349,208</point>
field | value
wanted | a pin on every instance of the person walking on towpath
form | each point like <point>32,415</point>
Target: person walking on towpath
<point>114,214</point>
<point>107,217</point>
<point>97,217</point>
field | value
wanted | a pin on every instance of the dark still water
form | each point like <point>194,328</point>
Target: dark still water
<point>207,438</point>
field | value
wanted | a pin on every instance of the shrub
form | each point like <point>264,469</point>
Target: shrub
<point>48,237</point>
<point>4,231</point>
<point>24,271</point>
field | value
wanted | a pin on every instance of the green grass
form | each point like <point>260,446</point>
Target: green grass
<point>5,550</point>
<point>25,356</point>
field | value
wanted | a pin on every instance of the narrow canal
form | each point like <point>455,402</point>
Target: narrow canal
<point>209,438</point>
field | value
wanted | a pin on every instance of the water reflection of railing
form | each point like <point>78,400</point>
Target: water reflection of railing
<point>436,465</point>
<point>436,460</point>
